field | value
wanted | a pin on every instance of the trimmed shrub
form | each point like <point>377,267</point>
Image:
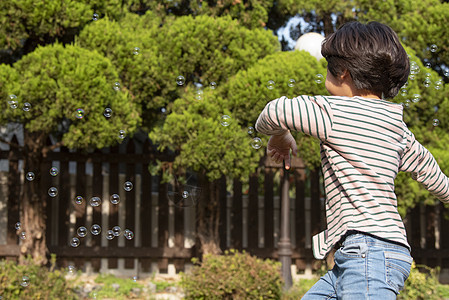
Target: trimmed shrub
<point>32,281</point>
<point>233,276</point>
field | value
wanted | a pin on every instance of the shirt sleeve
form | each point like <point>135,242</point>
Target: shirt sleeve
<point>309,115</point>
<point>424,168</point>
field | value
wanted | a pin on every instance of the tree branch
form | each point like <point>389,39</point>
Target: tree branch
<point>11,144</point>
<point>52,147</point>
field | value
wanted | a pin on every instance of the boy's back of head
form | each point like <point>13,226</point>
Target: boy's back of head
<point>371,53</point>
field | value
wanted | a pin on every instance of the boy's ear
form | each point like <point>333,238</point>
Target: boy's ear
<point>345,75</point>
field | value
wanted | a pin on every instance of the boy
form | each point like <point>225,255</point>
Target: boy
<point>364,144</point>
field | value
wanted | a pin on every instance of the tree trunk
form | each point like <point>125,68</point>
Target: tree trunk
<point>208,214</point>
<point>33,215</point>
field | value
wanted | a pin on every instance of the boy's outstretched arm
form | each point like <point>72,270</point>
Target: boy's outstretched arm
<point>424,168</point>
<point>309,115</point>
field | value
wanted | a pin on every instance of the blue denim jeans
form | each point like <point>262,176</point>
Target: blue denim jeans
<point>365,268</point>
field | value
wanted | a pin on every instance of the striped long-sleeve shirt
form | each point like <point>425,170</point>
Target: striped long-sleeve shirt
<point>364,144</point>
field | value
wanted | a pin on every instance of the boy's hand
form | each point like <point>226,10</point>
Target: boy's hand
<point>278,148</point>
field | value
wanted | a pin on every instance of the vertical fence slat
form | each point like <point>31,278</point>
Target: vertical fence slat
<point>45,181</point>
<point>97,191</point>
<point>130,200</point>
<point>162,222</point>
<point>300,216</point>
<point>268,209</point>
<point>113,208</point>
<point>222,199</point>
<point>64,200</point>
<point>253,206</point>
<point>431,261</point>
<point>237,220</point>
<point>13,195</point>
<point>146,208</point>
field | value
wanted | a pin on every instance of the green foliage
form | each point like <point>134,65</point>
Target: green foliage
<point>183,46</point>
<point>422,285</point>
<point>251,14</point>
<point>114,287</point>
<point>42,21</point>
<point>233,276</point>
<point>31,281</point>
<point>56,81</point>
<point>298,289</point>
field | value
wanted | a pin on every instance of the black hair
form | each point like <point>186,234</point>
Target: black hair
<point>371,53</point>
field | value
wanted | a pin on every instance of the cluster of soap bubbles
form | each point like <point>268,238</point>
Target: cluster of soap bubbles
<point>271,84</point>
<point>256,142</point>
<point>14,103</point>
<point>428,82</point>
<point>20,233</point>
<point>96,229</point>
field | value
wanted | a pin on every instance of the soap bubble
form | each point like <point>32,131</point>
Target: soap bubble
<point>71,269</point>
<point>414,68</point>
<point>180,80</point>
<point>213,85</point>
<point>95,201</point>
<point>23,235</point>
<point>52,192</point>
<point>250,130</point>
<point>136,50</point>
<point>225,120</point>
<point>79,200</point>
<point>433,48</point>
<point>95,17</point>
<point>438,84</point>
<point>435,122</point>
<point>129,235</point>
<point>116,230</point>
<point>135,278</point>
<point>54,171</point>
<point>79,113</point>
<point>416,98</point>
<point>110,234</point>
<point>13,101</point>
<point>319,78</point>
<point>30,176</point>
<point>271,84</point>
<point>26,106</point>
<point>75,242</point>
<point>115,199</point>
<point>404,92</point>
<point>128,186</point>
<point>116,86</point>
<point>95,229</point>
<point>122,134</point>
<point>18,226</point>
<point>428,65</point>
<point>427,83</point>
<point>256,143</point>
<point>188,197</point>
<point>199,94</point>
<point>107,112</point>
<point>25,281</point>
<point>81,231</point>
<point>291,82</point>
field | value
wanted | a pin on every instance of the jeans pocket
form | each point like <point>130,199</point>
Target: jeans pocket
<point>398,267</point>
<point>354,250</point>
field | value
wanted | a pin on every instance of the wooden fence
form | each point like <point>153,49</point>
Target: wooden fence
<point>164,233</point>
